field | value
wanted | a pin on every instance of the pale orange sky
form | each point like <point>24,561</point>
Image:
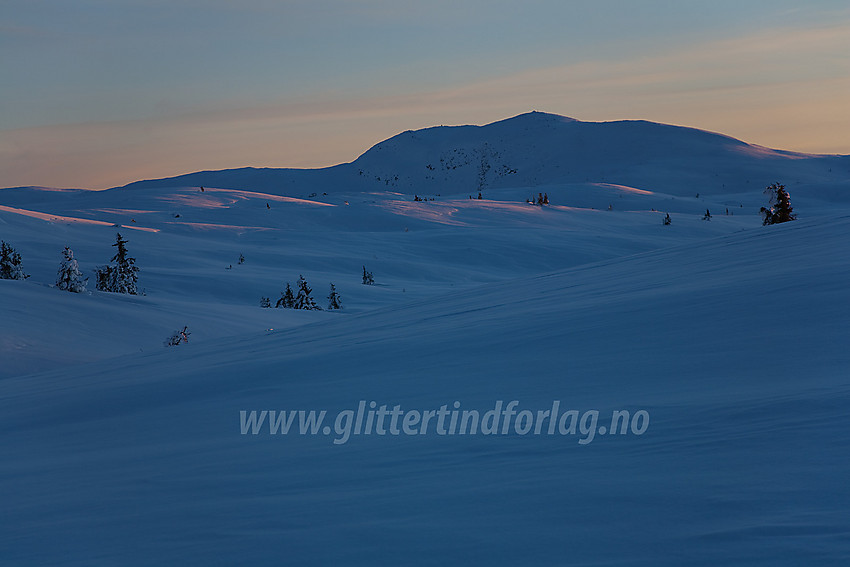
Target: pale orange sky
<point>785,86</point>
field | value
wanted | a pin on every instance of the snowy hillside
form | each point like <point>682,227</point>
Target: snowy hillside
<point>728,336</point>
<point>539,149</point>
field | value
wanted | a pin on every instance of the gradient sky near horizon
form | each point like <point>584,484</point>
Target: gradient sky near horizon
<point>99,93</point>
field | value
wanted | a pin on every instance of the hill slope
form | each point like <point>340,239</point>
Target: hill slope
<point>722,339</point>
<point>142,460</point>
<point>538,149</point>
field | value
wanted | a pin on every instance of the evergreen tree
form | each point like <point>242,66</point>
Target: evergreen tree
<point>707,215</point>
<point>287,299</point>
<point>303,299</point>
<point>125,269</point>
<point>784,210</point>
<point>120,276</point>
<point>780,206</point>
<point>265,302</point>
<point>103,275</point>
<point>368,279</point>
<point>334,300</point>
<point>11,267</point>
<point>69,277</point>
<point>667,220</point>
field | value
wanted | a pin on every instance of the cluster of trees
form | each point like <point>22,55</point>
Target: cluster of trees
<point>303,299</point>
<point>778,211</point>
<point>542,199</point>
<point>120,276</point>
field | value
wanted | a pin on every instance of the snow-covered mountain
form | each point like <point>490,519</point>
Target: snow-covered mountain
<point>539,149</point>
<point>729,335</point>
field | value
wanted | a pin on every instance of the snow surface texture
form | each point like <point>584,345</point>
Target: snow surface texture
<point>732,336</point>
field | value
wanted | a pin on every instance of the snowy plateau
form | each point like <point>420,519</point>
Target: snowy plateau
<point>729,339</point>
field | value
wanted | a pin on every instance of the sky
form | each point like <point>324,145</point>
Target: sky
<point>100,93</point>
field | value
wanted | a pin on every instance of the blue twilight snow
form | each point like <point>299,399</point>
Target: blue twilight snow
<point>730,335</point>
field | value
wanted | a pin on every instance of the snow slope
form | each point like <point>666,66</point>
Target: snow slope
<point>187,244</point>
<point>538,149</point>
<point>141,460</point>
<point>730,335</point>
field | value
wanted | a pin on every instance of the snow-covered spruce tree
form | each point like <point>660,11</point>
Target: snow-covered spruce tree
<point>303,299</point>
<point>334,300</point>
<point>667,220</point>
<point>265,302</point>
<point>780,206</point>
<point>120,276</point>
<point>11,267</point>
<point>125,269</point>
<point>707,215</point>
<point>287,299</point>
<point>102,277</point>
<point>69,277</point>
<point>368,278</point>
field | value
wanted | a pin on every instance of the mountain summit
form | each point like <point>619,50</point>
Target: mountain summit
<point>539,149</point>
